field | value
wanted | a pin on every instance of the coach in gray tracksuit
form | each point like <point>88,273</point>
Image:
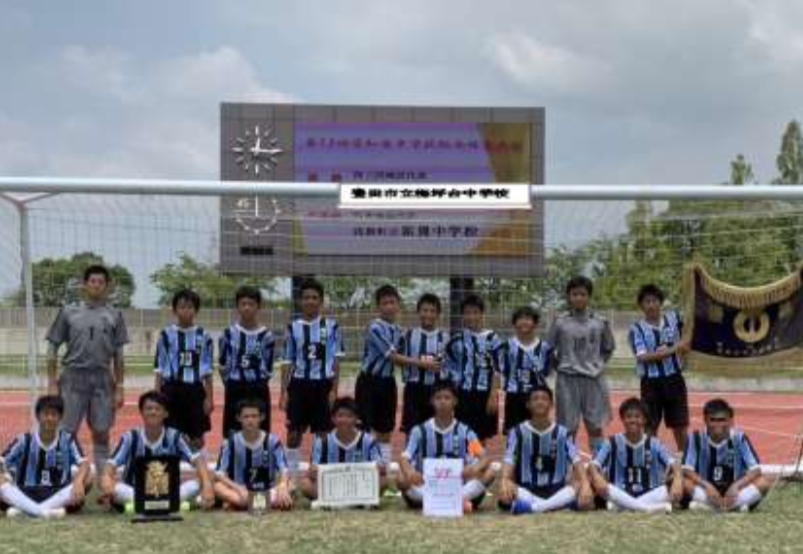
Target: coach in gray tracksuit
<point>583,343</point>
<point>91,384</point>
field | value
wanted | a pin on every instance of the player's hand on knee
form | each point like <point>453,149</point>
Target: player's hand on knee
<point>284,500</point>
<point>416,479</point>
<point>507,491</point>
<point>585,498</point>
<point>78,494</point>
<point>676,492</point>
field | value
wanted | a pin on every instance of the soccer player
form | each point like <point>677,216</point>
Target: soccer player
<point>44,472</point>
<point>153,439</point>
<point>246,359</point>
<point>252,460</point>
<point>424,347</point>
<point>720,466</point>
<point>524,361</point>
<point>345,444</point>
<point>312,348</point>
<point>543,471</point>
<point>95,334</point>
<point>633,470</point>
<point>472,360</point>
<point>375,389</point>
<point>443,436</point>
<point>184,370</point>
<point>658,347</point>
<point>583,342</point>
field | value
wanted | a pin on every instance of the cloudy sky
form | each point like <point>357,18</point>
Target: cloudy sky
<point>635,91</point>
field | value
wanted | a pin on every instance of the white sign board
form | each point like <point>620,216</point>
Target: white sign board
<point>347,485</point>
<point>443,488</point>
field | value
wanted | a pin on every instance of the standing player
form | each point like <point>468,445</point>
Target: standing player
<point>524,362</point>
<point>152,439</point>
<point>584,343</point>
<point>472,360</point>
<point>45,471</point>
<point>720,465</point>
<point>376,385</point>
<point>443,436</point>
<point>246,359</point>
<point>345,444</point>
<point>312,349</point>
<point>252,460</point>
<point>657,345</point>
<point>95,334</point>
<point>184,370</point>
<point>424,348</point>
<point>633,470</point>
<point>543,471</point>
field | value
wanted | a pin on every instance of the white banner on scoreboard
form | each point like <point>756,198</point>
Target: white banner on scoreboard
<point>471,196</point>
<point>443,487</point>
<point>347,485</point>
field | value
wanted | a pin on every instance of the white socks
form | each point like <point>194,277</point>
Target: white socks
<point>293,456</point>
<point>387,452</point>
<point>656,500</point>
<point>473,489</point>
<point>748,496</point>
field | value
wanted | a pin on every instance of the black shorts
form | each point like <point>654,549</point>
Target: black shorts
<point>472,410</point>
<point>185,407</point>
<point>376,401</point>
<point>235,392</point>
<point>666,399</point>
<point>308,405</point>
<point>515,409</point>
<point>417,406</point>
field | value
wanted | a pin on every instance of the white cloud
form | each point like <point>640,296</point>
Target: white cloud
<point>775,27</point>
<point>550,67</point>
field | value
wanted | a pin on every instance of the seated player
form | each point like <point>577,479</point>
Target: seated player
<point>720,467</point>
<point>633,470</point>
<point>443,436</point>
<point>43,473</point>
<point>252,460</point>
<point>345,444</point>
<point>152,439</point>
<point>543,471</point>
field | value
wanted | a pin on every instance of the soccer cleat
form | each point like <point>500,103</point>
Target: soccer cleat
<point>185,506</point>
<point>521,507</point>
<point>128,508</point>
<point>13,512</point>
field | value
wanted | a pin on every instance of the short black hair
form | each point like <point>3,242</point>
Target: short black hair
<point>542,388</point>
<point>311,284</point>
<point>472,300</point>
<point>188,295</point>
<point>630,404</point>
<point>152,396</point>
<point>525,311</point>
<point>384,291</point>
<point>249,292</point>
<point>96,269</point>
<point>580,282</point>
<point>428,298</point>
<point>717,406</point>
<point>255,403</point>
<point>49,402</point>
<point>650,290</point>
<point>444,386</point>
<point>344,403</point>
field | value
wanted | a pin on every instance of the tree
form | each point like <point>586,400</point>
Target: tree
<point>57,281</point>
<point>790,158</point>
<point>215,287</point>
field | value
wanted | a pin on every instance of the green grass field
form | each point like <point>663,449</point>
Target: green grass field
<point>776,527</point>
